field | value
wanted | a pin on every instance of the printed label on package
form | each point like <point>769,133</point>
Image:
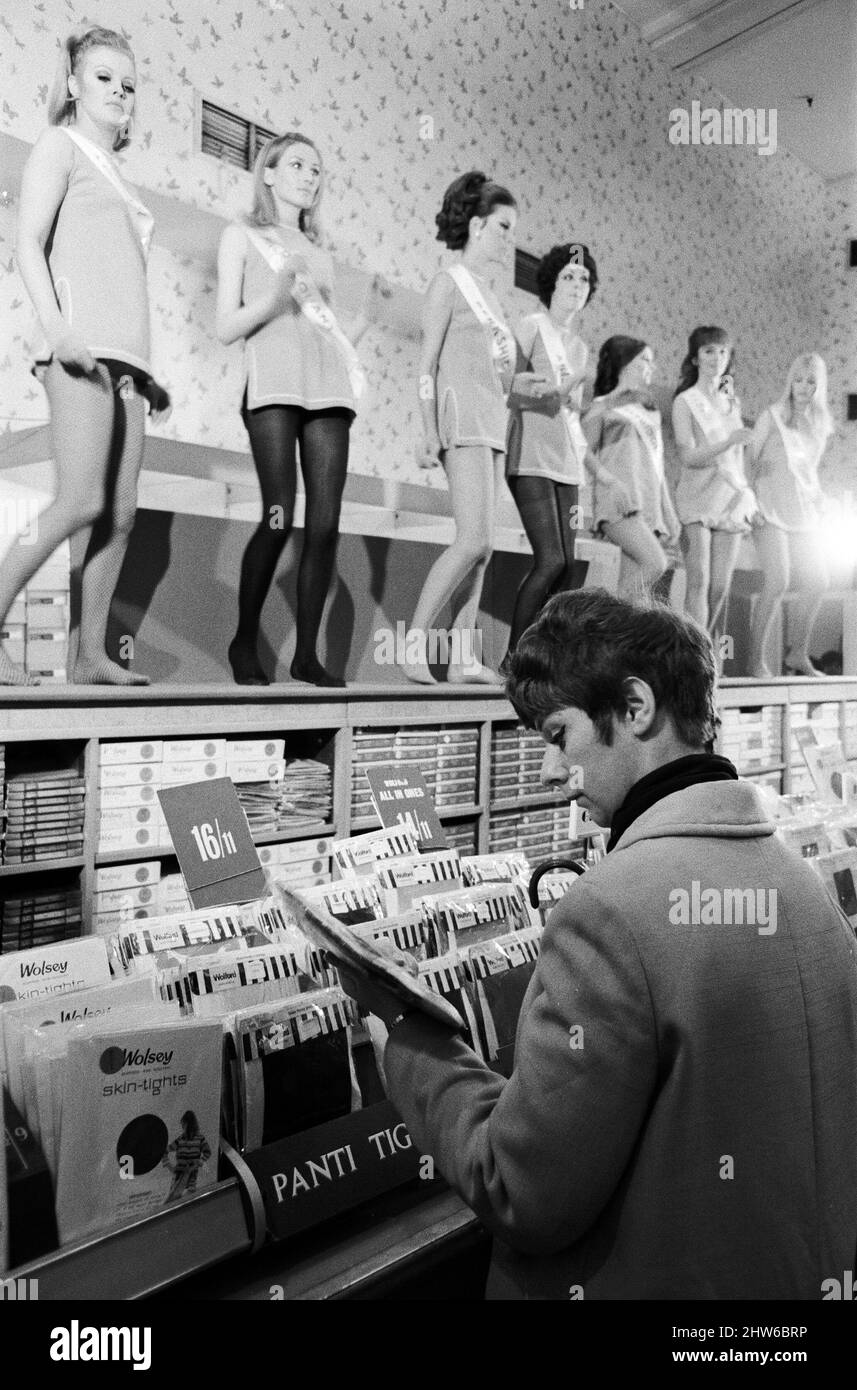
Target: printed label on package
<point>333,1167</point>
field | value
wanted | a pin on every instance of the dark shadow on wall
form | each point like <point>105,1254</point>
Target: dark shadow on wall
<point>178,598</point>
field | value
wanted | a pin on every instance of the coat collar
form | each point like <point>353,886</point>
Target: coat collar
<point>727,810</point>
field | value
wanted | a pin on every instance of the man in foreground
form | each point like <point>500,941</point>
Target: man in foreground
<point>681,1121</point>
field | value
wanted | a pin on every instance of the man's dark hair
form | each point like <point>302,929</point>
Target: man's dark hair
<point>585,644</point>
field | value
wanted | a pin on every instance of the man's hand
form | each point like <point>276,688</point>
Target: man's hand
<point>372,998</point>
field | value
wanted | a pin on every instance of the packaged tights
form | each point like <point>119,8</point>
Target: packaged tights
<point>294,1066</point>
<point>501,971</point>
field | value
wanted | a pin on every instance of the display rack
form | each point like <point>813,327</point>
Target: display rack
<point>213,1228</point>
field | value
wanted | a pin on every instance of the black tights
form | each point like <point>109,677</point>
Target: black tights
<point>275,433</point>
<point>546,511</point>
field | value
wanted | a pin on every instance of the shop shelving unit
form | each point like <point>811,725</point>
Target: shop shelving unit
<point>208,1230</point>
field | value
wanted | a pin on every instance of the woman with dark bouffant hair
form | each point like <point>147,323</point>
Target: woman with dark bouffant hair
<point>713,500</point>
<point>545,452</point>
<point>83,240</point>
<point>632,506</point>
<point>467,366</point>
<point>275,290</point>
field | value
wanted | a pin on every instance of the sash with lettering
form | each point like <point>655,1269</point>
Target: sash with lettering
<point>105,165</point>
<point>741,505</point>
<point>309,300</point>
<point>648,429</point>
<point>558,358</point>
<point>504,350</point>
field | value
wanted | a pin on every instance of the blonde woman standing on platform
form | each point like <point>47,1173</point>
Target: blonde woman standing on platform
<point>304,380</point>
<point>467,366</point>
<point>83,239</point>
<point>713,501</point>
<point>788,442</point>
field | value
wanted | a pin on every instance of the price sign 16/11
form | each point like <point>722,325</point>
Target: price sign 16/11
<point>212,842</point>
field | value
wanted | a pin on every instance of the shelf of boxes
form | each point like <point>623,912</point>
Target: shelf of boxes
<point>482,767</point>
<point>35,629</point>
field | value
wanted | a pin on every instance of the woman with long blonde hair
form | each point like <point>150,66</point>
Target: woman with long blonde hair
<point>303,382</point>
<point>788,442</point>
<point>83,239</point>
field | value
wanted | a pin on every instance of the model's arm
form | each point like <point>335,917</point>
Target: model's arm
<point>695,455</point>
<point>574,384</point>
<point>761,431</point>
<point>539,1156</point>
<point>593,427</point>
<point>43,187</point>
<point>437,312</point>
<point>234,319</point>
<point>530,390</point>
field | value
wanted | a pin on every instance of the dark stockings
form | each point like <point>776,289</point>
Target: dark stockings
<point>275,434</point>
<point>546,511</point>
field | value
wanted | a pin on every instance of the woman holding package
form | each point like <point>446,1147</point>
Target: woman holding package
<point>275,290</point>
<point>83,239</point>
<point>713,501</point>
<point>788,442</point>
<point>545,454</point>
<point>467,366</point>
<point>632,507</point>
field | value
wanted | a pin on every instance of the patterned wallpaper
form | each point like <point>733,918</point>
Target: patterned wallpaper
<point>566,106</point>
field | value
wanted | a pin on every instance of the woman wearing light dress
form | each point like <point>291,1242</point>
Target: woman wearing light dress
<point>545,453</point>
<point>468,365</point>
<point>83,239</point>
<point>303,384</point>
<point>713,501</point>
<point>632,507</point>
<point>788,442</point>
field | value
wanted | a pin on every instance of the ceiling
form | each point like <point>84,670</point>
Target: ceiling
<point>773,54</point>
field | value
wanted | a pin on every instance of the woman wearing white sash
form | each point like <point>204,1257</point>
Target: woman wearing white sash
<point>714,504</point>
<point>632,507</point>
<point>275,290</point>
<point>788,442</point>
<point>545,452</point>
<point>467,367</point>
<point>83,238</point>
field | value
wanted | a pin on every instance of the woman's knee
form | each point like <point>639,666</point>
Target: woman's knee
<point>548,573</point>
<point>321,534</point>
<point>83,509</point>
<point>474,550</point>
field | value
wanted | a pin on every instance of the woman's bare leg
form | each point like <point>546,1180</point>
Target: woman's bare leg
<point>724,555</point>
<point>772,551</point>
<point>81,433</point>
<point>106,549</point>
<point>811,578</point>
<point>643,559</point>
<point>697,543</point>
<point>470,667</point>
<point>470,473</point>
